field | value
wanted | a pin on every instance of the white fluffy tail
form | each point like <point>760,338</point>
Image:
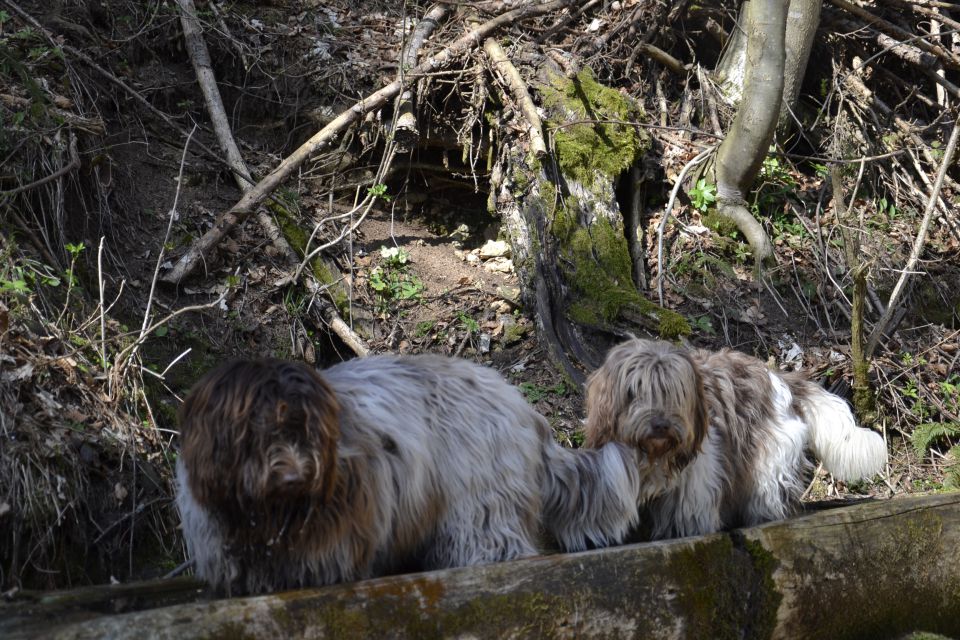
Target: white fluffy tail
<point>590,495</point>
<point>847,451</point>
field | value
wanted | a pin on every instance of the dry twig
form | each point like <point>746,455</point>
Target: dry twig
<point>73,165</point>
<point>200,57</point>
<point>518,89</point>
<point>951,59</point>
<point>405,131</point>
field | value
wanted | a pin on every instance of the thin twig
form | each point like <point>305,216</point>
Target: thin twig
<point>183,566</point>
<point>930,47</point>
<point>119,363</point>
<point>80,55</point>
<point>666,215</point>
<point>73,165</point>
<point>103,311</point>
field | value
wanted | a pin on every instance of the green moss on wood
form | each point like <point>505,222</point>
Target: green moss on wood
<point>718,223</point>
<point>600,143</point>
<point>594,143</point>
<point>864,400</point>
<point>595,260</point>
<point>718,588</point>
<point>672,324</point>
<point>297,237</point>
<point>895,569</point>
<point>601,270</point>
<point>425,615</point>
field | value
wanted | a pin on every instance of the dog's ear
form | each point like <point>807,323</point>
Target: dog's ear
<point>602,408</point>
<point>213,437</point>
<point>701,406</point>
<point>323,434</point>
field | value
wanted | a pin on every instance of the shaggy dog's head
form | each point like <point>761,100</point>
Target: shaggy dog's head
<point>256,433</point>
<point>648,394</point>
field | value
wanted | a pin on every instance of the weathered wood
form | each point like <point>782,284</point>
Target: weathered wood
<point>874,570</point>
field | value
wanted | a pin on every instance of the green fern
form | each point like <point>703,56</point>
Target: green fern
<point>928,433</point>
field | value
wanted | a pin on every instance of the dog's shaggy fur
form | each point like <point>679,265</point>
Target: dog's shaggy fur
<point>291,478</point>
<point>721,437</point>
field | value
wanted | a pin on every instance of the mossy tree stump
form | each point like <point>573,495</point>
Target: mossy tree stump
<point>566,226</point>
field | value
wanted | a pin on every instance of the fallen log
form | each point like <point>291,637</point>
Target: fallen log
<point>874,570</point>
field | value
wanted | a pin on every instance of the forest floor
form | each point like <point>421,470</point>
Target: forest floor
<point>89,399</point>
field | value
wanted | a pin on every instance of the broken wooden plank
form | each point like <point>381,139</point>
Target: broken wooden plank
<point>873,570</point>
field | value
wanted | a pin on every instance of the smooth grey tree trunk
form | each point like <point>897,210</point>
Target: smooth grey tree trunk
<point>742,151</point>
<point>803,17</point>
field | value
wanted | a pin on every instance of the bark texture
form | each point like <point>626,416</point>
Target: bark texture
<point>803,18</point>
<point>566,226</point>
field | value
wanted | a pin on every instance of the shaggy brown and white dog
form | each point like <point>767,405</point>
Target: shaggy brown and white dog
<point>722,438</point>
<point>291,478</point>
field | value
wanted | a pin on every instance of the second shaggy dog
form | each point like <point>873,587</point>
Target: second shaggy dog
<point>722,438</point>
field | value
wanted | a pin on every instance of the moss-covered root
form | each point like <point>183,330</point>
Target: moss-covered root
<point>596,263</point>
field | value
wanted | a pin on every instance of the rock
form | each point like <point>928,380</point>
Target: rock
<point>510,294</point>
<point>473,258</point>
<point>494,249</point>
<point>461,233</point>
<point>501,306</point>
<point>499,265</point>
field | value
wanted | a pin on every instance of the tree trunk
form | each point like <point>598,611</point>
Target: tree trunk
<point>566,227</point>
<point>745,146</point>
<point>875,570</point>
<point>803,17</point>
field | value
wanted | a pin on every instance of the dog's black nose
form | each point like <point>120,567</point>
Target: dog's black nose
<point>659,425</point>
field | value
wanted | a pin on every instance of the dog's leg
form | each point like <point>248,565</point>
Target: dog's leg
<point>480,534</point>
<point>780,464</point>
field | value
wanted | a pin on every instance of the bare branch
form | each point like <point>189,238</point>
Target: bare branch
<point>73,165</point>
<point>405,132</point>
<point>518,89</point>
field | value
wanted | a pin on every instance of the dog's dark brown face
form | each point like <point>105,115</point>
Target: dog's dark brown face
<point>256,432</point>
<point>648,394</point>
